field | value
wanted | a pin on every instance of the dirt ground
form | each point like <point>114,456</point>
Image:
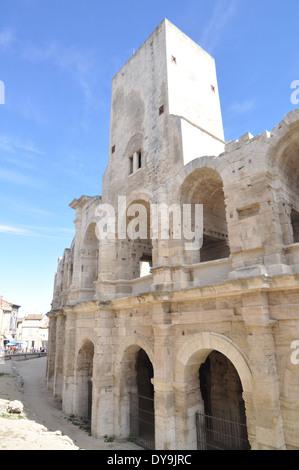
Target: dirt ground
<point>41,426</point>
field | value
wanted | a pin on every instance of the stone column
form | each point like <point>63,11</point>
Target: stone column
<point>168,244</point>
<point>135,162</point>
<point>75,285</point>
<point>51,352</point>
<point>105,287</point>
<point>103,375</point>
<point>266,394</point>
<point>59,354</point>
<point>163,378</point>
<point>69,365</point>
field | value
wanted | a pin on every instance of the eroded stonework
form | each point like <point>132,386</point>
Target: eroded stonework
<point>206,332</point>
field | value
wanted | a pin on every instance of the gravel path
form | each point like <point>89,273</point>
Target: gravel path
<point>41,425</point>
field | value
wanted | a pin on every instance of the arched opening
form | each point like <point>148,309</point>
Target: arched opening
<point>89,258</point>
<point>139,243</point>
<point>223,423</point>
<point>142,415</point>
<point>287,153</point>
<point>193,384</point>
<point>204,186</point>
<point>135,395</point>
<point>84,381</point>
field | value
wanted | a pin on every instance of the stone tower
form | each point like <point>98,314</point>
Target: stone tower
<point>165,112</point>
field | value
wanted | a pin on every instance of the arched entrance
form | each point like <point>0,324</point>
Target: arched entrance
<point>223,423</point>
<point>142,414</point>
<point>135,395</point>
<point>209,382</point>
<point>84,381</point>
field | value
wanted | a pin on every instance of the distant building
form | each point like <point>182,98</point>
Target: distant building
<point>8,322</point>
<point>33,332</point>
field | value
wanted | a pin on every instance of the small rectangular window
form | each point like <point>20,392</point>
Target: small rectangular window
<point>135,162</point>
<point>130,164</point>
<point>161,110</point>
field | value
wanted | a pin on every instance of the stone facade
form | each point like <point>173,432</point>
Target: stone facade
<point>208,330</point>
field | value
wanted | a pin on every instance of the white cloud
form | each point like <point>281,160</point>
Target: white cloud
<point>81,65</point>
<point>9,144</point>
<point>18,178</point>
<point>16,205</point>
<point>222,13</point>
<point>7,37</point>
<point>242,108</point>
<point>37,231</point>
<point>13,230</point>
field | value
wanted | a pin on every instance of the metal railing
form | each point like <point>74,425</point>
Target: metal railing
<point>142,420</point>
<point>220,434</point>
<point>23,356</point>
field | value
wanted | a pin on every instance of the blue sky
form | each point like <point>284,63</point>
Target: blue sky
<point>57,60</point>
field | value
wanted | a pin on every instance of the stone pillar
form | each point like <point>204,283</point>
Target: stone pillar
<point>76,278</point>
<point>135,162</point>
<point>69,365</point>
<point>168,246</point>
<point>103,375</point>
<point>275,232</point>
<point>51,352</point>
<point>59,354</point>
<point>105,287</point>
<point>266,394</point>
<point>188,402</point>
<point>163,378</point>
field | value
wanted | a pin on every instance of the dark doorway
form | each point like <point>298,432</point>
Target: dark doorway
<point>84,381</point>
<point>224,409</point>
<point>142,413</point>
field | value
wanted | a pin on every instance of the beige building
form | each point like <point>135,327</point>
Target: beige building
<point>8,322</point>
<point>33,332</point>
<point>199,352</point>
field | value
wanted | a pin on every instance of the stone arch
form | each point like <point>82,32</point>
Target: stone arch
<point>284,135</point>
<point>218,164</point>
<point>141,194</point>
<point>135,142</point>
<point>89,237</point>
<point>201,345</point>
<point>187,385</point>
<point>203,184</point>
<point>134,153</point>
<point>283,161</point>
<point>125,377</point>
<point>133,341</point>
<point>290,405</point>
<point>83,379</point>
<point>136,250</point>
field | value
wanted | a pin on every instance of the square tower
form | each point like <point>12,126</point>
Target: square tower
<point>165,111</point>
